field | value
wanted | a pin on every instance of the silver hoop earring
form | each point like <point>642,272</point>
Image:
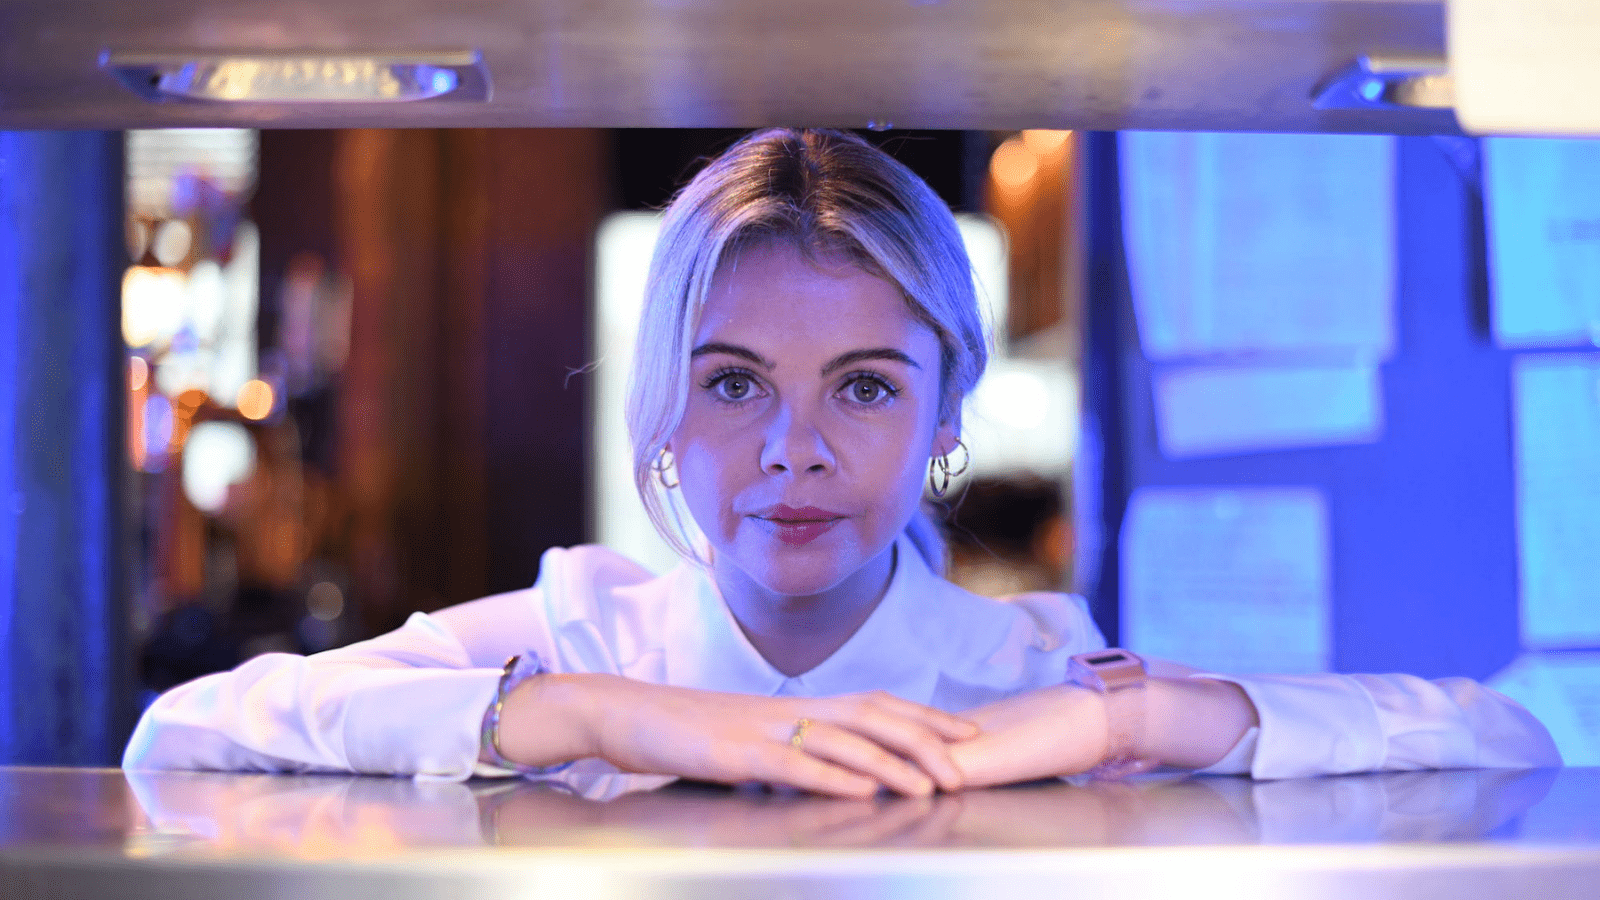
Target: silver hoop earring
<point>966,459</point>
<point>662,463</point>
<point>940,473</point>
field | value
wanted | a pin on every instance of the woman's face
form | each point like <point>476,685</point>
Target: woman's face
<point>813,408</point>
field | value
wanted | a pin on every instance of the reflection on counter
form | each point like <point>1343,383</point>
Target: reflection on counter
<point>319,817</point>
<point>1468,834</point>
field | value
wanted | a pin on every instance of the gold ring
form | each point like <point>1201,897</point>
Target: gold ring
<point>797,738</point>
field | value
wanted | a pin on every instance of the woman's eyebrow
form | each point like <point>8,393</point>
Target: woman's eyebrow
<point>732,350</point>
<point>855,356</point>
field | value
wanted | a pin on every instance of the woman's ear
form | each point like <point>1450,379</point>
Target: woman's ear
<point>947,435</point>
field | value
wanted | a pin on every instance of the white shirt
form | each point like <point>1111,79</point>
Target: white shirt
<point>412,701</point>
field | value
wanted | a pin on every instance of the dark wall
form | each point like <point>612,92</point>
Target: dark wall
<point>455,434</point>
<point>65,676</point>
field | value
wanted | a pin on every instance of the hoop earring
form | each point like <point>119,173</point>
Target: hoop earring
<point>663,462</point>
<point>940,473</point>
<point>966,459</point>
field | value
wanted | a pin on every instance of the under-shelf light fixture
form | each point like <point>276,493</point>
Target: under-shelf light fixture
<point>300,77</point>
<point>1386,81</point>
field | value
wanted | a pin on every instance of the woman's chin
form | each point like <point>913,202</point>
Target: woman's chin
<point>816,573</point>
<point>806,583</point>
<point>814,568</point>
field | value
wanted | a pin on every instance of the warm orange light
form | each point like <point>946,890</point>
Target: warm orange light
<point>138,373</point>
<point>1013,165</point>
<point>255,400</point>
<point>1044,141</point>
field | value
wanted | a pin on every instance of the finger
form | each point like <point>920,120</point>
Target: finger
<point>913,741</point>
<point>949,726</point>
<point>781,764</point>
<point>851,750</point>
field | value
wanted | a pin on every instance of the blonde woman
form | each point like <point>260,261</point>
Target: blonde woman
<point>809,335</point>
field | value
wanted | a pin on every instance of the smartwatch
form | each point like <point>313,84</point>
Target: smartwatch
<point>1119,676</point>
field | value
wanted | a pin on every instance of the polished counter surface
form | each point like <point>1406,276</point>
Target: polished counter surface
<point>1459,834</point>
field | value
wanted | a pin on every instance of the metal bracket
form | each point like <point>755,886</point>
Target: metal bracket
<point>1376,81</point>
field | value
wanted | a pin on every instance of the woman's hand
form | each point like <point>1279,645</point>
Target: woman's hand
<point>1052,731</point>
<point>852,747</point>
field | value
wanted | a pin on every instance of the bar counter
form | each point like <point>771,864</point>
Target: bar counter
<point>69,833</point>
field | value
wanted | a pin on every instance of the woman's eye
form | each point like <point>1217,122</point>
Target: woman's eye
<point>732,387</point>
<point>868,391</point>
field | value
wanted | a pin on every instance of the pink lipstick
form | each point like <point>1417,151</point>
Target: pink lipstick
<point>799,526</point>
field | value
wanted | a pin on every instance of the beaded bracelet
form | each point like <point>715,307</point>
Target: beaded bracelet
<point>517,670</point>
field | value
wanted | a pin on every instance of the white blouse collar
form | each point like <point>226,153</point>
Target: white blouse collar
<point>705,648</point>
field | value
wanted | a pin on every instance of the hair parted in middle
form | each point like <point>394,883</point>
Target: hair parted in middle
<point>830,193</point>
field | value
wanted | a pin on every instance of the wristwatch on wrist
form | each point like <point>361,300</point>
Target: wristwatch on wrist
<point>1120,677</point>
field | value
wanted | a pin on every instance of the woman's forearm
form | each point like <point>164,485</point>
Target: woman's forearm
<point>1191,723</point>
<point>851,745</point>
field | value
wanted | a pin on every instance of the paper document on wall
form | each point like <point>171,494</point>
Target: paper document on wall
<point>1211,410</point>
<point>1557,414</point>
<point>1233,580</point>
<point>1260,244</point>
<point>1542,200</point>
<point>1562,690</point>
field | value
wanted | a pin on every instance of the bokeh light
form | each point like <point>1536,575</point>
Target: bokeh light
<point>1013,165</point>
<point>156,425</point>
<point>172,242</point>
<point>138,373</point>
<point>255,400</point>
<point>153,302</point>
<point>325,601</point>
<point>216,456</point>
<point>1044,141</point>
<point>207,300</point>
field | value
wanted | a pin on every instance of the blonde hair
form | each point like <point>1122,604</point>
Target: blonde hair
<point>829,193</point>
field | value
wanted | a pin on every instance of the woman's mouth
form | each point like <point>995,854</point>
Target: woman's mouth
<point>798,525</point>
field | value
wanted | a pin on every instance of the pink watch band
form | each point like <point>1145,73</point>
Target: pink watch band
<point>1120,677</point>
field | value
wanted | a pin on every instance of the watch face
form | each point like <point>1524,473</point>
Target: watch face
<point>1107,657</point>
<point>1111,670</point>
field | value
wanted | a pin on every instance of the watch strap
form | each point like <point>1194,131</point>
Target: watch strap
<point>1120,677</point>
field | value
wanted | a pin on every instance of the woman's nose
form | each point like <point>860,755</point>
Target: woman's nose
<point>794,444</point>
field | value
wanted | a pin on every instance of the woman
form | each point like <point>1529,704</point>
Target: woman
<point>809,333</point>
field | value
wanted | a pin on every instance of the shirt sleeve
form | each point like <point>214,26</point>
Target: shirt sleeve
<point>404,703</point>
<point>410,702</point>
<point>1332,724</point>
